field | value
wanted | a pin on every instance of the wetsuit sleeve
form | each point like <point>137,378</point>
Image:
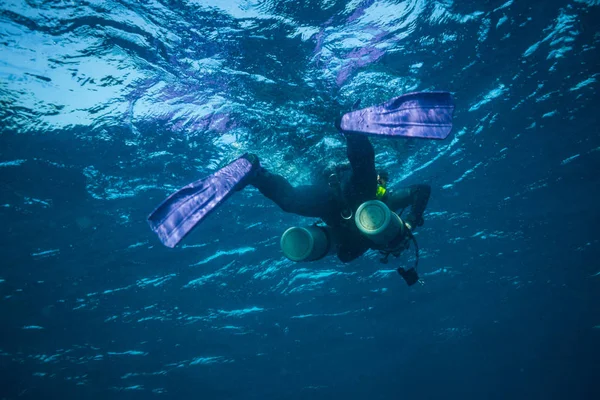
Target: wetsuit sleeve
<point>415,196</point>
<point>362,160</point>
<point>308,201</point>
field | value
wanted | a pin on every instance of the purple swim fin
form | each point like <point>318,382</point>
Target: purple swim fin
<point>175,217</point>
<point>422,114</point>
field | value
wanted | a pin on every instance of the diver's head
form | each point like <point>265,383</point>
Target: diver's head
<point>382,178</point>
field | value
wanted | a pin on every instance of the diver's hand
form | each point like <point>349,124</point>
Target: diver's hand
<point>412,221</point>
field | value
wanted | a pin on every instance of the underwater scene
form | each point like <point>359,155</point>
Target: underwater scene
<point>317,199</point>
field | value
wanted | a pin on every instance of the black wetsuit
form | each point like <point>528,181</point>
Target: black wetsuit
<point>358,184</point>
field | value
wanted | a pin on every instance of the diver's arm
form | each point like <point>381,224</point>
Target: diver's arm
<point>415,196</point>
<point>308,201</point>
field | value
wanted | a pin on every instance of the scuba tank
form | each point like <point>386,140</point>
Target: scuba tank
<point>309,243</point>
<point>386,229</point>
<point>377,222</point>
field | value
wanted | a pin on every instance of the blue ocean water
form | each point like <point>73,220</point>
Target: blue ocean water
<point>109,106</point>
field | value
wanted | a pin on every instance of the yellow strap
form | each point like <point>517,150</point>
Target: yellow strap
<point>380,192</point>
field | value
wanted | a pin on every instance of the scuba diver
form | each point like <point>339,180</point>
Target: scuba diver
<point>335,203</point>
<point>355,207</point>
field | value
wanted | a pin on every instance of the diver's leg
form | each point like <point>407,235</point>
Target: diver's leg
<point>308,201</point>
<point>362,159</point>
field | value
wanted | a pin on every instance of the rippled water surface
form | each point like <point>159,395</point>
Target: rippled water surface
<point>109,106</point>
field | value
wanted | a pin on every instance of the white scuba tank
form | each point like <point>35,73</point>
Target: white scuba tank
<point>306,243</point>
<point>377,222</point>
